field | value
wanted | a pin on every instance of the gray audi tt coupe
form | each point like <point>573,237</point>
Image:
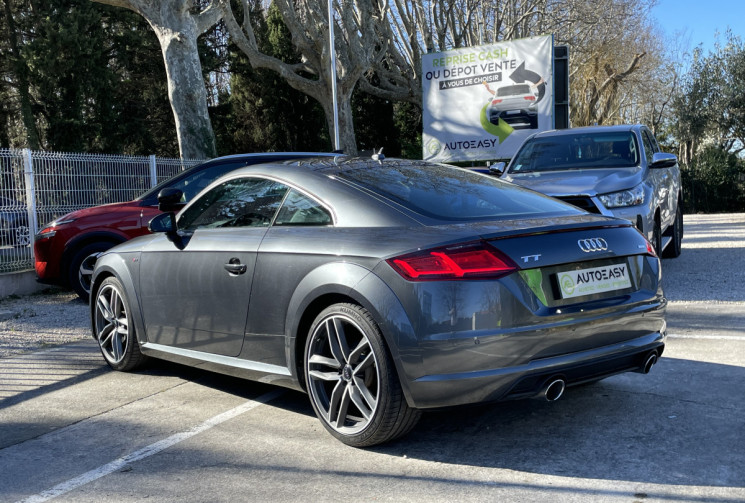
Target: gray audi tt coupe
<point>382,287</point>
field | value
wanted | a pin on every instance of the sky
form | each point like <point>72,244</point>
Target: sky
<point>700,20</point>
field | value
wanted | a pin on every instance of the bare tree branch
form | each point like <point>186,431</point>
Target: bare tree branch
<point>208,18</point>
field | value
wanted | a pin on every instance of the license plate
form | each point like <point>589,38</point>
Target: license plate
<point>594,280</point>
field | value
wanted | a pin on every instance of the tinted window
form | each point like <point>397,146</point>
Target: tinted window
<point>193,181</point>
<point>648,146</point>
<point>241,202</point>
<point>299,209</point>
<point>449,193</point>
<point>577,151</point>
<point>510,90</point>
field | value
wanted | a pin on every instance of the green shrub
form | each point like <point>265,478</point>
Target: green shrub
<point>714,182</point>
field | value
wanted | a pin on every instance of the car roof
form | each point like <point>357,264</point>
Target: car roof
<point>250,159</point>
<point>270,155</point>
<point>312,175</point>
<point>354,200</point>
<point>588,129</point>
<point>323,167</point>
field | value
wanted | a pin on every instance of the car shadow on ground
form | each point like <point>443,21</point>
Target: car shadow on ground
<point>678,425</point>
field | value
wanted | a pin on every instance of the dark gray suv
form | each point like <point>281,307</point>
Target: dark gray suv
<point>611,170</point>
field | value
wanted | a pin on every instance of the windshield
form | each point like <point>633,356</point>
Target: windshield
<point>577,151</point>
<point>448,193</point>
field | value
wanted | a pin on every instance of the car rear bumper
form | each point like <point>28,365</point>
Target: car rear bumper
<point>518,118</point>
<point>529,379</point>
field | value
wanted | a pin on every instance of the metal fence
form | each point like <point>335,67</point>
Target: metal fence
<point>38,187</point>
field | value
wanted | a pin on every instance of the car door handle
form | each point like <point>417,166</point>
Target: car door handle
<point>234,266</point>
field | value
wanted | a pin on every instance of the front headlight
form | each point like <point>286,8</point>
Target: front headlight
<point>50,229</point>
<point>630,197</point>
<point>62,221</point>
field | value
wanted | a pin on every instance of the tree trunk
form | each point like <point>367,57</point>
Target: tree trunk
<point>346,125</point>
<point>186,90</point>
<point>177,29</point>
<point>347,138</point>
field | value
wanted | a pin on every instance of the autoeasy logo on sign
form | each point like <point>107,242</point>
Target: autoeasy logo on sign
<point>481,102</point>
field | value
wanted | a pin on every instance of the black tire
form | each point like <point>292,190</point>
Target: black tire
<point>81,267</point>
<point>675,247</point>
<point>114,329</point>
<point>352,383</point>
<point>657,237</point>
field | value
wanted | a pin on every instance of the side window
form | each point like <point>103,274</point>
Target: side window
<point>194,184</point>
<point>648,146</point>
<point>193,181</point>
<point>653,141</point>
<point>299,209</point>
<point>241,202</point>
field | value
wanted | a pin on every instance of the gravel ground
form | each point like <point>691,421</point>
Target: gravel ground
<point>45,319</point>
<point>711,270</point>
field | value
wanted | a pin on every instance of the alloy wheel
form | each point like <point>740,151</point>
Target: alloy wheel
<point>23,236</point>
<point>85,271</point>
<point>112,324</point>
<point>343,374</point>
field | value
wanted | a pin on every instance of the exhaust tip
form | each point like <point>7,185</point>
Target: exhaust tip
<point>651,360</point>
<point>554,389</point>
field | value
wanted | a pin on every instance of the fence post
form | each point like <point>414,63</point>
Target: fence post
<point>153,172</point>
<point>28,174</point>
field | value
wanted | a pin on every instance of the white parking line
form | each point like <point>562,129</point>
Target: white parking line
<point>149,450</point>
<point>713,337</point>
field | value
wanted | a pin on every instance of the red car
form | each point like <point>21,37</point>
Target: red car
<point>65,250</point>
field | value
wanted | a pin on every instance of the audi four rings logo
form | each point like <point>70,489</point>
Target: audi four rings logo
<point>592,245</point>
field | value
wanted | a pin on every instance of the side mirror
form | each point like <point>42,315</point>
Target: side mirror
<point>165,222</point>
<point>663,160</point>
<point>169,199</point>
<point>497,169</point>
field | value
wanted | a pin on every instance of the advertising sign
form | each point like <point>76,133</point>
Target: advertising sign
<point>481,102</point>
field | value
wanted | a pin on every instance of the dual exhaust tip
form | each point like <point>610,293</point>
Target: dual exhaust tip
<point>555,386</point>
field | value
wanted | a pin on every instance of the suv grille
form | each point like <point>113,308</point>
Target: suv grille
<point>584,203</point>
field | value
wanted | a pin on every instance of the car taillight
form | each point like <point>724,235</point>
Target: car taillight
<point>477,261</point>
<point>495,102</point>
<point>529,98</point>
<point>650,249</point>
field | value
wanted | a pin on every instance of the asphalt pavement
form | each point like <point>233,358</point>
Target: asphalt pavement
<point>72,430</point>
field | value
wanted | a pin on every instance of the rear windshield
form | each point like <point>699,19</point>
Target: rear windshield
<point>448,193</point>
<point>510,90</point>
<point>577,151</point>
